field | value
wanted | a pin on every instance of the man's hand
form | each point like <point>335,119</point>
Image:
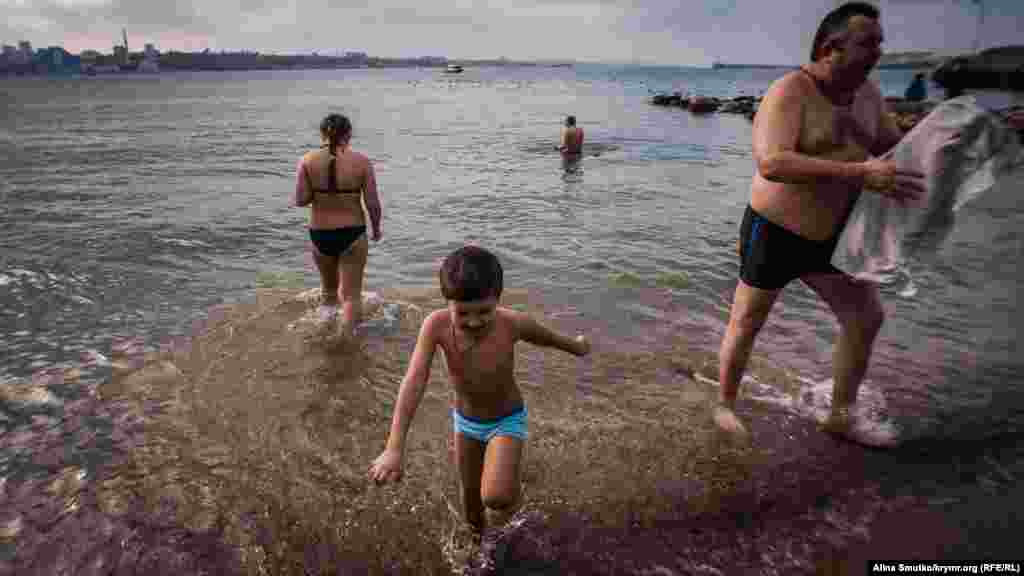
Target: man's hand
<point>375,234</point>
<point>386,468</point>
<point>883,177</point>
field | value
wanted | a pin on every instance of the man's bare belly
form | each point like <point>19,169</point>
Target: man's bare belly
<point>817,210</point>
<point>813,211</point>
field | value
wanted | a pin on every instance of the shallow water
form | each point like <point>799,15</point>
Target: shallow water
<point>135,205</point>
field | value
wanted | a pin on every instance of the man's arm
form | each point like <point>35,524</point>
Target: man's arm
<point>889,133</point>
<point>563,140</point>
<point>535,333</point>
<point>303,187</point>
<point>777,133</point>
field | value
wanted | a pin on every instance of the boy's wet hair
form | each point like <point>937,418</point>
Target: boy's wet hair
<point>570,120</point>
<point>336,127</point>
<point>836,22</point>
<point>471,273</point>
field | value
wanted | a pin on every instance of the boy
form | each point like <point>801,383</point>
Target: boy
<point>478,339</point>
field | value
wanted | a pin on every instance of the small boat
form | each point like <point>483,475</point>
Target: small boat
<point>453,69</point>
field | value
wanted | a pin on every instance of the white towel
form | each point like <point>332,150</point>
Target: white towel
<point>962,149</point>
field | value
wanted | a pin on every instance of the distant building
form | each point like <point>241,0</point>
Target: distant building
<point>24,52</point>
<point>56,60</point>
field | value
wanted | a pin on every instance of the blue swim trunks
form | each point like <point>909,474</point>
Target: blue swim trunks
<point>513,425</point>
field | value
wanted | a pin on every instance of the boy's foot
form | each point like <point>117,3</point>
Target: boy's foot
<point>727,420</point>
<point>844,423</point>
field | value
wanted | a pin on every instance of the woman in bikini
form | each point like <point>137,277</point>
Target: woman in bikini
<point>337,182</point>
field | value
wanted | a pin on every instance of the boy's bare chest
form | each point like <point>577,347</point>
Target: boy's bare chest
<point>491,359</point>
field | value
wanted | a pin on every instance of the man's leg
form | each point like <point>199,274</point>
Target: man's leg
<point>750,308</point>
<point>859,310</point>
<point>469,453</point>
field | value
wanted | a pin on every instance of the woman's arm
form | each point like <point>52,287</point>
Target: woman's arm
<point>372,199</point>
<point>303,186</point>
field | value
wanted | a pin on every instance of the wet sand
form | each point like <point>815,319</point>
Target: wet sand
<point>244,450</point>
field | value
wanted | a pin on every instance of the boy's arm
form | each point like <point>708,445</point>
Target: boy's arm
<point>303,187</point>
<point>415,382</point>
<point>536,333</point>
<point>562,139</point>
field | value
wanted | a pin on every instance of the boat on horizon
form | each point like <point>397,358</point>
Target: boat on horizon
<point>453,69</point>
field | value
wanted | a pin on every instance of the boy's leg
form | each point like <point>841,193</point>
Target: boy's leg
<point>469,453</point>
<point>500,484</point>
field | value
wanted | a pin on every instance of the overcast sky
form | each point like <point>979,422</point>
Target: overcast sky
<point>674,32</point>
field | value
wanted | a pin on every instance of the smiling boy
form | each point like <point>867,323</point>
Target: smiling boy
<point>478,338</point>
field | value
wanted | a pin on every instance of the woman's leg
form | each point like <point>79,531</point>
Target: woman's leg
<point>353,265</point>
<point>328,267</point>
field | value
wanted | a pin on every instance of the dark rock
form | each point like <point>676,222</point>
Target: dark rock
<point>999,68</point>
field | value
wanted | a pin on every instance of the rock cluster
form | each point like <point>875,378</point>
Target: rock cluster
<point>745,105</point>
<point>906,113</point>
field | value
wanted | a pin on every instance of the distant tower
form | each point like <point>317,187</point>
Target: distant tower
<point>124,54</point>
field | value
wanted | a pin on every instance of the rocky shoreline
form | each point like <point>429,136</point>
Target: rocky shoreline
<point>906,114</point>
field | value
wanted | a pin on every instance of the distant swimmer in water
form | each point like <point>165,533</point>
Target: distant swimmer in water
<point>337,182</point>
<point>571,141</point>
<point>478,338</point>
<point>813,140</point>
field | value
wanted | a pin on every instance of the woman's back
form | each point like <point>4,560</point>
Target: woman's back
<point>338,205</point>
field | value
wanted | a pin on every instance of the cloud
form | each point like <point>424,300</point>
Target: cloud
<point>676,32</point>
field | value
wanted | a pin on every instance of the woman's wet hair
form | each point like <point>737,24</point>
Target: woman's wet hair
<point>336,128</point>
<point>471,273</point>
<point>570,120</point>
<point>836,21</point>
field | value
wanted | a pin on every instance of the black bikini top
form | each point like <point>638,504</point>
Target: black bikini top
<point>823,89</point>
<point>332,181</point>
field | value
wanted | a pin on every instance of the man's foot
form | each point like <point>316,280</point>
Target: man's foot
<point>726,419</point>
<point>844,423</point>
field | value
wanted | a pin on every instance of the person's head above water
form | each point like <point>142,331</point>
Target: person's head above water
<point>471,273</point>
<point>570,120</point>
<point>335,129</point>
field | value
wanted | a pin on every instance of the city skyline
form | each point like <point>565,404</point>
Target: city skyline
<point>691,33</point>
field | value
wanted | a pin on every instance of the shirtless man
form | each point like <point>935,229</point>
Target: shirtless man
<point>815,137</point>
<point>571,141</point>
